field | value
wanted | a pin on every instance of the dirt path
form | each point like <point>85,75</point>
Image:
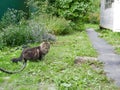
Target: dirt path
<point>106,55</point>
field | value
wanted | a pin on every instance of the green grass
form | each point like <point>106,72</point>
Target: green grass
<point>95,26</point>
<point>57,71</point>
<point>112,38</point>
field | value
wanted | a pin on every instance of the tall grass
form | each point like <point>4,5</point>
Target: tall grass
<point>55,25</point>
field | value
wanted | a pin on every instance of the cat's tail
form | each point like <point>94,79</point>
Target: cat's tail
<point>13,72</point>
<point>16,60</point>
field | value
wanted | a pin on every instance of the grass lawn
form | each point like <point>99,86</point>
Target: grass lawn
<point>57,71</point>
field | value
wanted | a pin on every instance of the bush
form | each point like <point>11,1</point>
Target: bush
<point>59,26</point>
<point>23,33</point>
<point>16,35</point>
<point>78,26</point>
<point>55,25</point>
<point>73,10</point>
<point>94,14</point>
<point>94,18</point>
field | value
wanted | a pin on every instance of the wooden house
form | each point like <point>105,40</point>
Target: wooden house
<point>110,15</point>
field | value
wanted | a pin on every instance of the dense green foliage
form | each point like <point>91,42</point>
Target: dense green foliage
<point>77,11</point>
<point>69,9</point>
<point>73,10</point>
<point>94,14</point>
<point>55,25</point>
<point>23,33</point>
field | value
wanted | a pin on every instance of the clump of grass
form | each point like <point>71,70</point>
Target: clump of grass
<point>59,26</point>
<point>94,26</point>
<point>55,25</point>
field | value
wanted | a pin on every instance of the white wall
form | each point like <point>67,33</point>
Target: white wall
<point>106,16</point>
<point>116,16</point>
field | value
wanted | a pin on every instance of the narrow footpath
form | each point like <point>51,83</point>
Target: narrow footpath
<point>107,55</point>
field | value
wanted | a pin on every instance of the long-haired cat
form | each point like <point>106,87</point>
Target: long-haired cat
<point>32,54</point>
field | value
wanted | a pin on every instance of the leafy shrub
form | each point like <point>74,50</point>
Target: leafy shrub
<point>94,18</point>
<point>94,14</point>
<point>78,26</point>
<point>23,33</point>
<point>59,26</point>
<point>73,10</point>
<point>55,25</point>
<point>16,35</point>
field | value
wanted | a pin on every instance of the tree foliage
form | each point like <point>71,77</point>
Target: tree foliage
<point>69,9</point>
<point>72,9</point>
